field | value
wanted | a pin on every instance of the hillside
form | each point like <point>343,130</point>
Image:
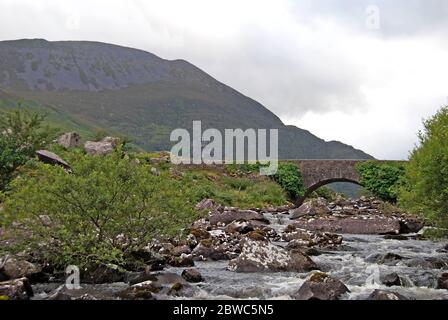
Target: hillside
<point>90,86</point>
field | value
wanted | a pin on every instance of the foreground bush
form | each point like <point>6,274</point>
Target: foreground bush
<point>426,191</point>
<point>107,206</point>
<point>383,180</point>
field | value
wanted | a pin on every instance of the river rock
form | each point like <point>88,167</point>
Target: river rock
<point>320,286</point>
<point>51,158</point>
<point>304,238</point>
<point>311,208</point>
<point>17,289</point>
<point>411,225</point>
<point>70,140</point>
<point>263,256</point>
<point>385,295</point>
<point>182,261</point>
<point>391,279</point>
<point>207,251</point>
<point>179,250</point>
<point>192,275</point>
<point>103,273</point>
<point>352,225</point>
<point>102,147</point>
<point>234,214</point>
<point>13,268</point>
<point>145,259</point>
<point>389,258</point>
<point>442,282</point>
<point>239,226</point>
<point>140,291</point>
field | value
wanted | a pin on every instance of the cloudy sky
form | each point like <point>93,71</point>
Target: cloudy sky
<point>364,72</point>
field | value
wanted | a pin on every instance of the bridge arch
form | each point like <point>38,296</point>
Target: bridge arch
<point>317,173</point>
<point>322,183</point>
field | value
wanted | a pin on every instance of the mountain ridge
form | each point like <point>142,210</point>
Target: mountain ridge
<point>143,96</point>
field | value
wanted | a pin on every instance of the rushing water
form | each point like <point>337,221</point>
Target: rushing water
<point>355,263</point>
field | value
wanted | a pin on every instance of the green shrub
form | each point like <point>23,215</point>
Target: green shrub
<point>426,188</point>
<point>288,176</point>
<point>383,180</point>
<point>21,134</point>
<point>107,206</point>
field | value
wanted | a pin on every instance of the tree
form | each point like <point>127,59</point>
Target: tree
<point>426,190</point>
<point>21,134</point>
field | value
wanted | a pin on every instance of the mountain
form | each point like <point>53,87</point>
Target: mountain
<point>90,86</point>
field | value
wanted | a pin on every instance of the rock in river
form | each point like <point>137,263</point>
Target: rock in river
<point>263,256</point>
<point>192,275</point>
<point>320,286</point>
<point>386,295</point>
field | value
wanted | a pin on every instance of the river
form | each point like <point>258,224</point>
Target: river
<point>361,263</point>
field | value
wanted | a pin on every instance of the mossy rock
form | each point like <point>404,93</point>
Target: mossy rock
<point>318,277</point>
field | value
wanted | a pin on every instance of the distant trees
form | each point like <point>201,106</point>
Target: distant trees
<point>426,190</point>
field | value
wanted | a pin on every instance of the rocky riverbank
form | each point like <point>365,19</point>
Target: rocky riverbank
<point>347,249</point>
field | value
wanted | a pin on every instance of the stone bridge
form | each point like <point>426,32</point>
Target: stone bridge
<point>317,173</point>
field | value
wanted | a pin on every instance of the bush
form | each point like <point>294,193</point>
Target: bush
<point>426,189</point>
<point>108,206</point>
<point>383,180</point>
<point>21,134</point>
<point>288,176</point>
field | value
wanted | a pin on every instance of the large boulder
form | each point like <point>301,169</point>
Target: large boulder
<point>70,140</point>
<point>17,289</point>
<point>263,256</point>
<point>311,208</point>
<point>320,286</point>
<point>385,295</point>
<point>51,158</point>
<point>102,147</point>
<point>234,214</point>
